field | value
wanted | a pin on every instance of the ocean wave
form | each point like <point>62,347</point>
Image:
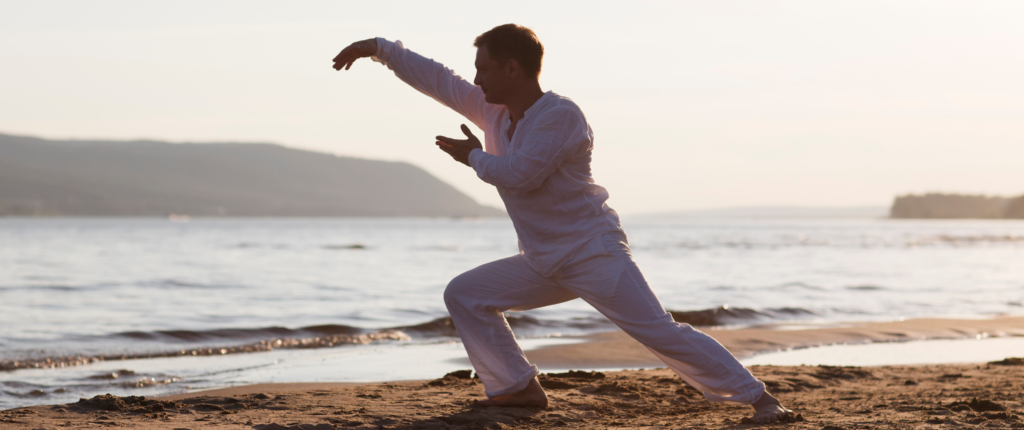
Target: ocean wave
<point>163,284</point>
<point>116,380</point>
<point>179,284</point>
<point>241,334</point>
<point>797,285</point>
<point>236,341</point>
<point>59,287</point>
<point>964,240</point>
<point>325,341</point>
<point>440,327</point>
<point>865,288</point>
<point>244,245</point>
<point>356,246</point>
<point>725,315</point>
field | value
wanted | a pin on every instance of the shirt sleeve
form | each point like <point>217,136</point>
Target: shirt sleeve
<point>558,136</point>
<point>434,80</point>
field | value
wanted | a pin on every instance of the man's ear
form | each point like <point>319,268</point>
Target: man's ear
<point>513,69</point>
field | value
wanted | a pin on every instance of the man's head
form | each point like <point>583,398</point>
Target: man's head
<point>507,56</point>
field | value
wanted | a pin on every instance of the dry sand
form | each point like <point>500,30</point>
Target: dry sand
<point>933,396</point>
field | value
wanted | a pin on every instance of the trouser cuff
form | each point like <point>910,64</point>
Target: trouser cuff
<point>520,384</point>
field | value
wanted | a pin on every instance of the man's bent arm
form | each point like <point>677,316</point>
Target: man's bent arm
<point>562,135</point>
<point>433,79</point>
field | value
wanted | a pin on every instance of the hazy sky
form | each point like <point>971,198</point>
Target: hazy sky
<point>693,104</point>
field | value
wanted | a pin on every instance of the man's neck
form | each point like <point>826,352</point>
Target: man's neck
<point>526,98</point>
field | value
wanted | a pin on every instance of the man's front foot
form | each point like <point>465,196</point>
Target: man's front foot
<point>532,396</point>
<point>768,409</point>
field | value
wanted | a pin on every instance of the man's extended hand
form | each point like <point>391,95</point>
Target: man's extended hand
<point>355,51</point>
<point>459,149</point>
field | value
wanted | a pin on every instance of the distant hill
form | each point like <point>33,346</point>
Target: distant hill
<point>937,205</point>
<point>778,212</point>
<point>145,178</point>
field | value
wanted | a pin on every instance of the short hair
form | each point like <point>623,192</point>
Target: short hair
<point>510,41</point>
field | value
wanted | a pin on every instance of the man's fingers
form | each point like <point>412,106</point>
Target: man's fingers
<point>469,134</point>
<point>346,57</point>
<point>345,53</point>
<point>339,61</point>
<point>343,65</point>
<point>340,64</point>
<point>448,140</point>
<point>448,149</point>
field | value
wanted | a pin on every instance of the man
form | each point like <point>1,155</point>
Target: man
<point>536,152</point>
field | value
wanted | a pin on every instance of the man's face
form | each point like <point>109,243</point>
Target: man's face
<point>492,77</point>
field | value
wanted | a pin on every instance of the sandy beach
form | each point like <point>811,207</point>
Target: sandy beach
<point>897,397</point>
<point>922,396</point>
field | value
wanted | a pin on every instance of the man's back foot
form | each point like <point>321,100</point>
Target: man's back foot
<point>768,409</point>
<point>532,396</point>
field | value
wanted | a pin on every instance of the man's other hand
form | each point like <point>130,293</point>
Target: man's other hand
<point>459,149</point>
<point>355,51</point>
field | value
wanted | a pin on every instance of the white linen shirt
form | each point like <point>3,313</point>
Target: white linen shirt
<point>542,174</point>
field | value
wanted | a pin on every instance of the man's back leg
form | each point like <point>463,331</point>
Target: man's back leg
<point>614,285</point>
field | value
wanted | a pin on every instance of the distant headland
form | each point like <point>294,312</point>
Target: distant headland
<point>41,177</point>
<point>937,205</point>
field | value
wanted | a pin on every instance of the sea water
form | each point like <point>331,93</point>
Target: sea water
<point>92,288</point>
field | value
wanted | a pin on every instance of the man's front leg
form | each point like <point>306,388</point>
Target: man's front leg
<point>475,301</point>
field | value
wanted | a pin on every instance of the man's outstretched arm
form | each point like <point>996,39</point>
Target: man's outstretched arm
<point>423,74</point>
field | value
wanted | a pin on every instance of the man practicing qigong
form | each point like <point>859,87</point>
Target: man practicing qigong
<point>536,152</point>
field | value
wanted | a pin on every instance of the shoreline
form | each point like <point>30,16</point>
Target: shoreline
<point>593,351</point>
<point>903,396</point>
<point>743,341</point>
<point>607,351</point>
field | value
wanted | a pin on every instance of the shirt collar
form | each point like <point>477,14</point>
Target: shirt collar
<point>534,108</point>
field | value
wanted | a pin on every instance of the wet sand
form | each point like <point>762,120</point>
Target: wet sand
<point>927,396</point>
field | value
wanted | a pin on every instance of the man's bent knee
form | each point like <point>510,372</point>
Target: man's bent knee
<point>458,289</point>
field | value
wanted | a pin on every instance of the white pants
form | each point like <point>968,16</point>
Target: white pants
<point>602,273</point>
